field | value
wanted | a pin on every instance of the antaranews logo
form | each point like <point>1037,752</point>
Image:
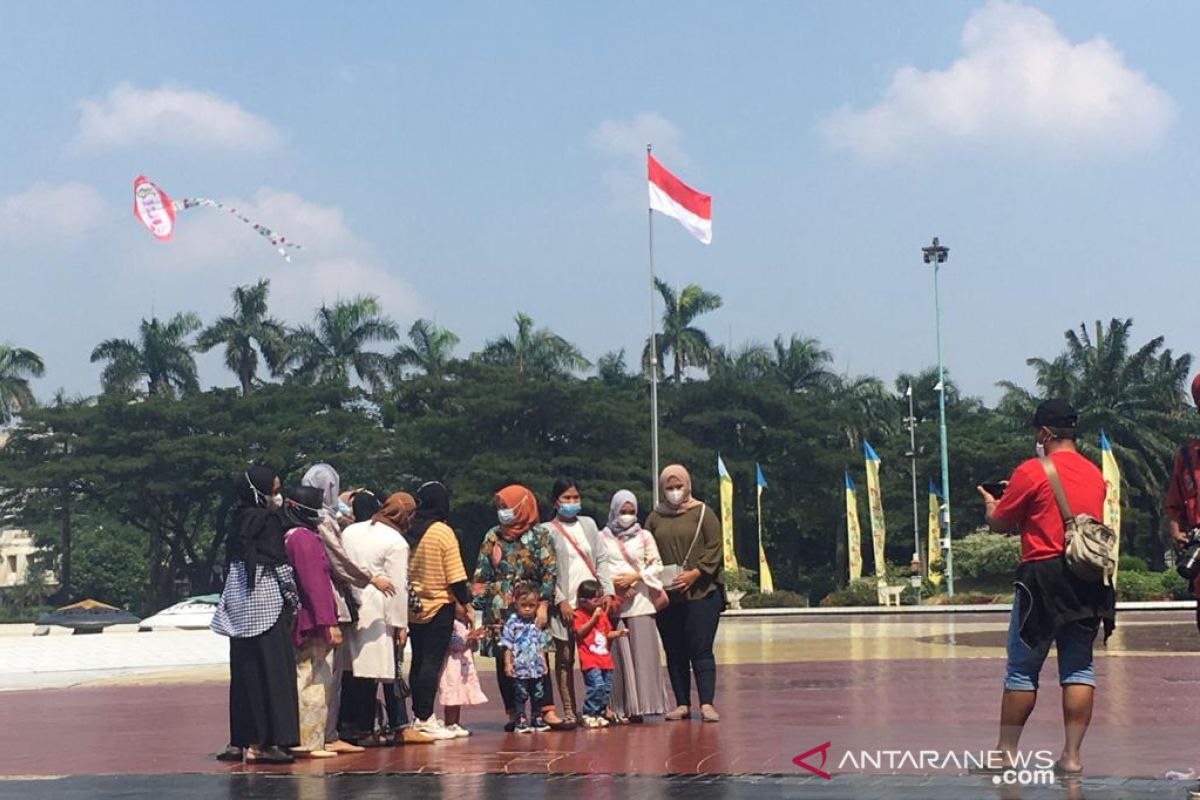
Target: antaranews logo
<point>1024,769</point>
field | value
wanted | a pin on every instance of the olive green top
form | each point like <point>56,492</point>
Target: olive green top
<point>674,535</point>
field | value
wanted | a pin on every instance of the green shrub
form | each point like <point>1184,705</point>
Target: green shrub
<point>741,579</point>
<point>986,555</point>
<point>780,598</point>
<point>1173,584</point>
<point>1133,564</point>
<point>1134,585</point>
<point>862,592</point>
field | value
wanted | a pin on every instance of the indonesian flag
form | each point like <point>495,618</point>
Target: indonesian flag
<point>673,197</point>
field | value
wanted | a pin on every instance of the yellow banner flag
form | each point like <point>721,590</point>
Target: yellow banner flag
<point>934,536</point>
<point>854,535</point>
<point>1112,497</point>
<point>875,506</point>
<point>766,584</point>
<point>726,515</point>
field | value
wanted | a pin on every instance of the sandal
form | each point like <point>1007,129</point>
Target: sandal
<point>268,755</point>
<point>1062,772</point>
<point>231,753</point>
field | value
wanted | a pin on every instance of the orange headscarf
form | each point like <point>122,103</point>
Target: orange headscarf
<point>524,507</point>
<point>664,508</point>
<point>397,512</point>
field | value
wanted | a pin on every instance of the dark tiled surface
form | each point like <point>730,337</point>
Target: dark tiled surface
<point>561,787</point>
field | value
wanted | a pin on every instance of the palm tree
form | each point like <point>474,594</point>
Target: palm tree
<point>431,349</point>
<point>801,363</point>
<point>689,346</point>
<point>162,357</point>
<point>1136,396</point>
<point>862,408</point>
<point>17,366</point>
<point>328,351</point>
<point>248,327</point>
<point>538,351</point>
<point>611,368</point>
<point>750,362</point>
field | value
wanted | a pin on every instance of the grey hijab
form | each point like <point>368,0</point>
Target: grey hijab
<point>325,478</point>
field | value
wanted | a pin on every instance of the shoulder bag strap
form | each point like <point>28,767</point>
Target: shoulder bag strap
<point>1056,485</point>
<point>696,536</point>
<point>571,541</point>
<point>625,553</point>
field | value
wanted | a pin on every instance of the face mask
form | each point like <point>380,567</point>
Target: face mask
<point>569,510</point>
<point>344,509</point>
<point>674,496</point>
<point>277,500</point>
<point>506,516</point>
<point>626,521</point>
<point>1040,449</point>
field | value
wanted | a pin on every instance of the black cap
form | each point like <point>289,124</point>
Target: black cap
<point>1055,413</point>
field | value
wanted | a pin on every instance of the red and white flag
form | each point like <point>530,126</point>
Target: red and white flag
<point>673,197</point>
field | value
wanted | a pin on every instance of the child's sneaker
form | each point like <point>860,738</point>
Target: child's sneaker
<point>458,730</point>
<point>540,725</point>
<point>590,722</point>
<point>601,722</point>
<point>522,725</point>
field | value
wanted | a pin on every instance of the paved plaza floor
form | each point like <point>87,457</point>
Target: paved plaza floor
<point>871,687</point>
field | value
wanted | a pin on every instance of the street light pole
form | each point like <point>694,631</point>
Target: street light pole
<point>937,254</point>
<point>911,420</point>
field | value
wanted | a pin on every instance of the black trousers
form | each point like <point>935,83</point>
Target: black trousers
<point>508,687</point>
<point>264,708</point>
<point>688,629</point>
<point>357,715</point>
<point>430,640</point>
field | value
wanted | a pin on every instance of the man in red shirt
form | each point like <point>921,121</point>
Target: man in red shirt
<point>1183,505</point>
<point>1050,603</point>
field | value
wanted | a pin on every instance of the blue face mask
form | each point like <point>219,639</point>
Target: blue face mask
<point>569,510</point>
<point>343,509</point>
<point>506,516</point>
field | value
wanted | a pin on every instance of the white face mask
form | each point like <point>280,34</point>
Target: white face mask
<point>1040,449</point>
<point>277,501</point>
<point>506,516</point>
<point>626,521</point>
<point>674,496</point>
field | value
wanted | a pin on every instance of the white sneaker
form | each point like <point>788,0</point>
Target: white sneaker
<point>458,730</point>
<point>433,727</point>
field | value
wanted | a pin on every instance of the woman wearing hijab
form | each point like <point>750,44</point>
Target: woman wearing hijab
<point>577,553</point>
<point>255,611</point>
<point>438,584</point>
<point>688,535</point>
<point>518,550</point>
<point>316,630</point>
<point>378,547</point>
<point>346,576</point>
<point>632,562</point>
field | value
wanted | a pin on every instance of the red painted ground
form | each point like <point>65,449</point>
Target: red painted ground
<point>1145,724</point>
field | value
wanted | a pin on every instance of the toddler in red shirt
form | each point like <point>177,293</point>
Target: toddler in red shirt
<point>593,632</point>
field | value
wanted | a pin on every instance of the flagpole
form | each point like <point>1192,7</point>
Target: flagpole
<point>653,360</point>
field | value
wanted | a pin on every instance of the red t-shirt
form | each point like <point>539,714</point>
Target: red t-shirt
<point>593,651</point>
<point>1182,504</point>
<point>1028,504</point>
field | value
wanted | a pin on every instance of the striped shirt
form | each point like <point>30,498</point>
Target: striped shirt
<point>435,564</point>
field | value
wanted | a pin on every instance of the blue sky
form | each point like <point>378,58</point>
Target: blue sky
<point>468,161</point>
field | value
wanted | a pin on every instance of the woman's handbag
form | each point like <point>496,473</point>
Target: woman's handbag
<point>671,571</point>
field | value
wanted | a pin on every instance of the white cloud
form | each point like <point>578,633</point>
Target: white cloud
<point>627,138</point>
<point>334,262</point>
<point>1019,84</point>
<point>130,115</point>
<point>49,212</point>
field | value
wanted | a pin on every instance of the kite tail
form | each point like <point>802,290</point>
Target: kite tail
<point>278,241</point>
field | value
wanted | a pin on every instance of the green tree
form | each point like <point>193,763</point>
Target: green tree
<point>17,366</point>
<point>801,364</point>
<point>1135,395</point>
<point>688,345</point>
<point>536,351</point>
<point>246,332</point>
<point>430,349</point>
<point>161,356</point>
<point>328,351</point>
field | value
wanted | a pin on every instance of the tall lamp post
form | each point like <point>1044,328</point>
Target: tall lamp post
<point>911,422</point>
<point>936,254</point>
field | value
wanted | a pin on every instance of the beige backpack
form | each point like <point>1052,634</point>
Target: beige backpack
<point>1090,543</point>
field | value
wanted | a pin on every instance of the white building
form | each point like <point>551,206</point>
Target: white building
<point>16,549</point>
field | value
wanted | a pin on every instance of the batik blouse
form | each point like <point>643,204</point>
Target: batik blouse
<point>501,566</point>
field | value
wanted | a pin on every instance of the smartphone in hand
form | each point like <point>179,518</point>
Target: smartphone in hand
<point>995,488</point>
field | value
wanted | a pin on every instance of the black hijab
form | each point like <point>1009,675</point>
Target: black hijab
<point>433,505</point>
<point>364,504</point>
<point>258,527</point>
<point>302,507</point>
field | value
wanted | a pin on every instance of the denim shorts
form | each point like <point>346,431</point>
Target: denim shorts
<point>1074,646</point>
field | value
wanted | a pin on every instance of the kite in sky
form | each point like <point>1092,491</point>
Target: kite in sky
<point>156,211</point>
